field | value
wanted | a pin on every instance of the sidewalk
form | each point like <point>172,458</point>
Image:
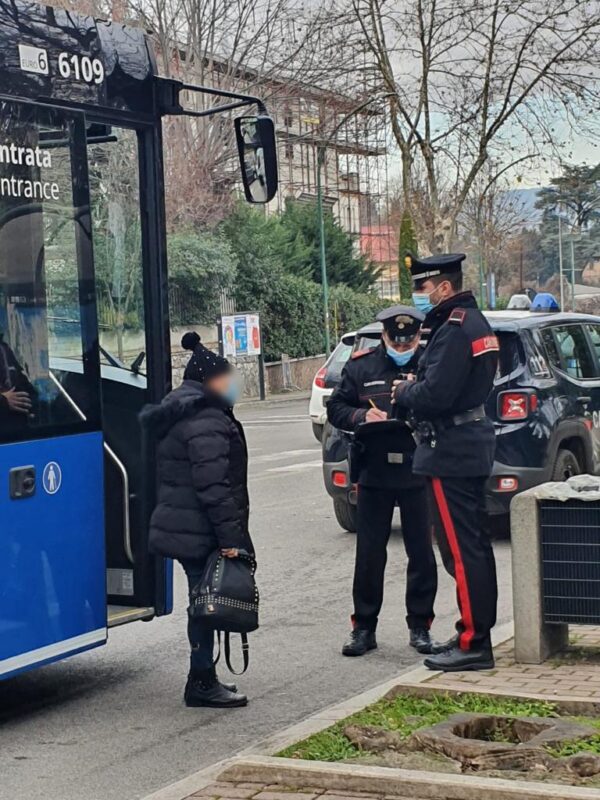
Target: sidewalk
<point>259,791</point>
<point>573,675</point>
<point>571,680</point>
<point>275,399</point>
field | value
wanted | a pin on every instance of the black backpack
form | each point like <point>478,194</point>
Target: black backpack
<point>226,600</point>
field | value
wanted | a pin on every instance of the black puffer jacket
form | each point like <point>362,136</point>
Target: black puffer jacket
<point>203,472</point>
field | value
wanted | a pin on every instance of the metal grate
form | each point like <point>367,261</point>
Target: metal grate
<point>570,544</point>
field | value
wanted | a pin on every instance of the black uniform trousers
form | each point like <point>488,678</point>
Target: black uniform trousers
<point>467,554</point>
<point>375,509</point>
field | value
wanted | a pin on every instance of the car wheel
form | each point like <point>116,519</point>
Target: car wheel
<point>345,513</point>
<point>317,431</point>
<point>565,466</point>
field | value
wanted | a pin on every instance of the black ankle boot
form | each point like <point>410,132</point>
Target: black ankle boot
<point>204,690</point>
<point>454,659</point>
<point>360,642</point>
<point>421,640</point>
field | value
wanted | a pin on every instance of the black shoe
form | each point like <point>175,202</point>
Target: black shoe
<point>421,640</point>
<point>204,690</point>
<point>457,660</point>
<point>231,687</point>
<point>442,647</point>
<point>360,642</point>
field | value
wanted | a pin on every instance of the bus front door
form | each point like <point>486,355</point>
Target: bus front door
<point>52,553</point>
<point>138,584</point>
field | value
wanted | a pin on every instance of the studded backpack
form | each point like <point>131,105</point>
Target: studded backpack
<point>226,600</point>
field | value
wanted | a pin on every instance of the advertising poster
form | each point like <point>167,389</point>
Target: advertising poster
<point>241,335</point>
<point>228,324</point>
<point>253,335</point>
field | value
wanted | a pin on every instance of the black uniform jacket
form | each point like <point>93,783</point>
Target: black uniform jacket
<point>369,376</point>
<point>455,374</point>
<point>202,475</point>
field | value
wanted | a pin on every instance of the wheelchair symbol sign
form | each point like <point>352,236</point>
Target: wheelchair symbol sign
<point>52,477</point>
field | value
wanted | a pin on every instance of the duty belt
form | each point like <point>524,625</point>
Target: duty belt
<point>472,415</point>
<point>425,432</point>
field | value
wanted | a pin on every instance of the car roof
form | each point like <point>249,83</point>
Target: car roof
<point>514,320</point>
<point>372,327</point>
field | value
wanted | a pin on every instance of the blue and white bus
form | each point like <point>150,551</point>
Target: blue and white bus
<point>82,254</point>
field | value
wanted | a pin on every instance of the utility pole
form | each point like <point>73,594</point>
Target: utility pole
<point>560,262</point>
<point>322,256</point>
<point>521,281</point>
<point>572,273</point>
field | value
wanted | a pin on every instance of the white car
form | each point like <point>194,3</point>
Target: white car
<point>325,381</point>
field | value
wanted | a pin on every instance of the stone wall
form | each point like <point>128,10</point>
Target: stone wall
<point>302,370</point>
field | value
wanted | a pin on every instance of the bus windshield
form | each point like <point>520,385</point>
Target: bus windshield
<point>46,317</point>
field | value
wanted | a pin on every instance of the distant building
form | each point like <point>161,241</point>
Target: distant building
<point>380,243</point>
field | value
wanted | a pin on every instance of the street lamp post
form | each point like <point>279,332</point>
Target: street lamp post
<point>322,256</point>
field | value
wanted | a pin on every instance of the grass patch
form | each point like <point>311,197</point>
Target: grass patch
<point>406,714</point>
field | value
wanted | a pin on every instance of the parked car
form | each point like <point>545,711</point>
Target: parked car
<point>328,377</point>
<point>545,405</point>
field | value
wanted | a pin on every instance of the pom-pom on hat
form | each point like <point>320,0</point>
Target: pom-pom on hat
<point>204,364</point>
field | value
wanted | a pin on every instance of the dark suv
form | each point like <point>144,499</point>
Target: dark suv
<point>545,405</point>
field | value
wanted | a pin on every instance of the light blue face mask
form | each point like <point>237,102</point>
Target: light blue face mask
<point>400,359</point>
<point>233,392</point>
<point>422,302</point>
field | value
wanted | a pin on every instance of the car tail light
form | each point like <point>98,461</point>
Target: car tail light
<point>507,484</point>
<point>340,479</point>
<point>516,406</point>
<point>320,378</point>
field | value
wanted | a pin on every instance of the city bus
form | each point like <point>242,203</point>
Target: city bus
<point>82,208</point>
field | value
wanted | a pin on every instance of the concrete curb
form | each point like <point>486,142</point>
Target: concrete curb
<point>275,400</point>
<point>388,781</point>
<point>411,677</point>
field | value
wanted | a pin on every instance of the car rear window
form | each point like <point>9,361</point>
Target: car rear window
<point>510,356</point>
<point>366,342</point>
<point>340,355</point>
<point>568,350</point>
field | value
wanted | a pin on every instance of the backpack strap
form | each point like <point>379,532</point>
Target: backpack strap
<point>245,652</point>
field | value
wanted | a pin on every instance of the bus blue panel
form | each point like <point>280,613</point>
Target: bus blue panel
<point>52,553</point>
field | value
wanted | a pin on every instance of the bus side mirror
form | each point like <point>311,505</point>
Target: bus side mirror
<point>258,157</point>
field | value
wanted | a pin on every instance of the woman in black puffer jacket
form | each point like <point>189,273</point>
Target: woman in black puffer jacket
<point>203,495</point>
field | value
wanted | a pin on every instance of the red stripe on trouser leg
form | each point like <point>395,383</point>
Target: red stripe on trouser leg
<point>461,577</point>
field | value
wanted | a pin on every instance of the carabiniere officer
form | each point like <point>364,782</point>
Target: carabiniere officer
<point>362,404</point>
<point>456,447</point>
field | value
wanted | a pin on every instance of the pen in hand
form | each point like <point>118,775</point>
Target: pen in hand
<point>375,414</point>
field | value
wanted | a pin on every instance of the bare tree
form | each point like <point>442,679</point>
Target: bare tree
<point>471,81</point>
<point>277,49</point>
<point>491,218</point>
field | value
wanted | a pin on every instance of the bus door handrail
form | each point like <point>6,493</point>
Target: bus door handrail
<point>116,461</point>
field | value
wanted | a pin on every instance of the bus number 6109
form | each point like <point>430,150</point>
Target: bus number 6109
<point>80,68</point>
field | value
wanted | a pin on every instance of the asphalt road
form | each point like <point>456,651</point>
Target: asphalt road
<point>111,725</point>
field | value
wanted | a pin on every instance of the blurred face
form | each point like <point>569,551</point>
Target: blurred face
<point>401,347</point>
<point>219,384</point>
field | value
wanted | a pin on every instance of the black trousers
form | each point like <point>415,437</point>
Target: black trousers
<point>375,507</point>
<point>201,639</point>
<point>467,554</point>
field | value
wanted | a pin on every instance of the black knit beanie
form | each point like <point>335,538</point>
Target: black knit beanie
<point>204,364</point>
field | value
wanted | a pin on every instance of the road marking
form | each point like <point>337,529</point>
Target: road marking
<point>283,454</point>
<point>296,467</point>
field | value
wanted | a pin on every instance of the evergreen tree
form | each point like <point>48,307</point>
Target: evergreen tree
<point>408,244</point>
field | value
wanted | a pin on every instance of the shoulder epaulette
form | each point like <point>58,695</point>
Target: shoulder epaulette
<point>361,353</point>
<point>457,316</point>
